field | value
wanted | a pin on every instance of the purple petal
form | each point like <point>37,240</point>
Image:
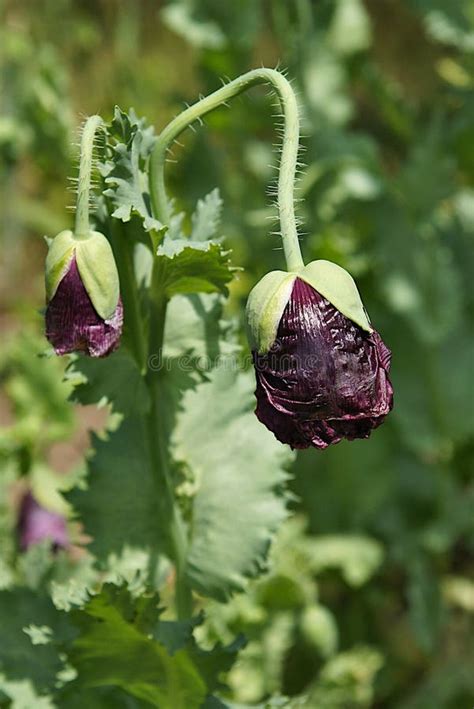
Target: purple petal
<point>73,325</point>
<point>37,523</point>
<point>324,378</point>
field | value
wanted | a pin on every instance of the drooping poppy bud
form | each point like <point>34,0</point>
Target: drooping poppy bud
<point>84,310</point>
<point>321,369</point>
<point>36,523</point>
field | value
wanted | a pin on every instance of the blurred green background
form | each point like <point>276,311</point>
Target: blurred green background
<point>386,91</point>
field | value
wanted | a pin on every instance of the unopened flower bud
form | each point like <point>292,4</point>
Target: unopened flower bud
<point>84,309</point>
<point>321,369</point>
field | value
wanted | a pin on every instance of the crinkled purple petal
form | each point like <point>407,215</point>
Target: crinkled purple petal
<point>37,523</point>
<point>324,378</point>
<point>73,325</point>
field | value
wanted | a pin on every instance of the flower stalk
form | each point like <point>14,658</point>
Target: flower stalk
<point>162,211</point>
<point>289,152</point>
<point>82,225</point>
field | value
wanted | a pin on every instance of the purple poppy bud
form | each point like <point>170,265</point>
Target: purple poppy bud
<point>36,523</point>
<point>324,377</point>
<point>72,323</point>
<point>84,310</point>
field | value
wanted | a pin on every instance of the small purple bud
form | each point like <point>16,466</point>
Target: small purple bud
<point>36,523</point>
<point>324,378</point>
<point>73,324</point>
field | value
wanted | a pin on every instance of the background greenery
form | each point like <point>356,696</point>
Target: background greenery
<point>370,599</point>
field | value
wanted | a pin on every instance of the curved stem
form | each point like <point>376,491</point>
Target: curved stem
<point>82,226</point>
<point>158,303</point>
<point>289,153</point>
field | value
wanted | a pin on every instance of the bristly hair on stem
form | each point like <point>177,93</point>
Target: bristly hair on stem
<point>289,148</point>
<point>87,160</point>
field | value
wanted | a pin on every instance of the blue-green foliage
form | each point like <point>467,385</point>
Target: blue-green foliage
<point>366,598</point>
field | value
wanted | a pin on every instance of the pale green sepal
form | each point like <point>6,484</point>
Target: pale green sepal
<point>60,253</point>
<point>337,286</point>
<point>265,306</point>
<point>98,271</point>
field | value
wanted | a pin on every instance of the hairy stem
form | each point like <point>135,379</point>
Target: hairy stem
<point>289,153</point>
<point>178,540</point>
<point>82,226</point>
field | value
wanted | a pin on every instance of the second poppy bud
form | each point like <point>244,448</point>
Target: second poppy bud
<point>321,369</point>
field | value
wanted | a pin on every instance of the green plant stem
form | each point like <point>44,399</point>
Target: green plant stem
<point>177,533</point>
<point>129,291</point>
<point>289,152</point>
<point>178,541</point>
<point>82,226</point>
